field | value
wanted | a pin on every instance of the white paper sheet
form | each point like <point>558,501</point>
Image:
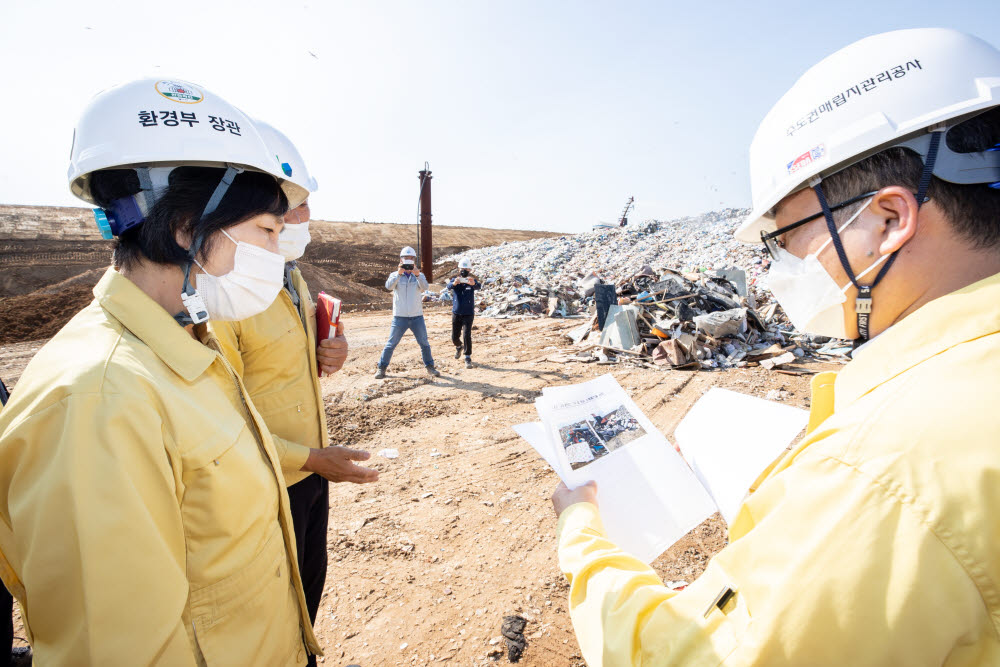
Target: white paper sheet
<point>648,497</point>
<point>730,438</point>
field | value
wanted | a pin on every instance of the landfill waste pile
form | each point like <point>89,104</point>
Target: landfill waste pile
<point>682,294</point>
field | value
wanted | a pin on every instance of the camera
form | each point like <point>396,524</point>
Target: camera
<point>407,267</point>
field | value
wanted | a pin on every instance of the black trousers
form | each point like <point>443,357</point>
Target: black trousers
<point>310,508</point>
<point>7,631</point>
<point>461,325</point>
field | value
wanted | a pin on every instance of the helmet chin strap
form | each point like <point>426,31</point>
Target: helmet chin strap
<point>863,302</point>
<point>195,311</point>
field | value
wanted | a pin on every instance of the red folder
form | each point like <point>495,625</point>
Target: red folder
<point>327,318</point>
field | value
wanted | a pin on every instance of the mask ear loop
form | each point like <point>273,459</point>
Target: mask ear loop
<point>863,302</point>
<point>194,305</point>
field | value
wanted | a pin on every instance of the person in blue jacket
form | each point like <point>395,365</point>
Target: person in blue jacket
<point>463,309</point>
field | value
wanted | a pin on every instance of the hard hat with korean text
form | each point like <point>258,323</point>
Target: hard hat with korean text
<point>886,90</point>
<point>168,123</point>
<point>407,252</point>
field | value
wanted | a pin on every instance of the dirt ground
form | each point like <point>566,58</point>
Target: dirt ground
<point>459,531</point>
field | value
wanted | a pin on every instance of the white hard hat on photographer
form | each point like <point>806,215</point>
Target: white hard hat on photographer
<point>883,91</point>
<point>290,161</point>
<point>407,252</point>
<point>465,263</point>
<point>168,123</point>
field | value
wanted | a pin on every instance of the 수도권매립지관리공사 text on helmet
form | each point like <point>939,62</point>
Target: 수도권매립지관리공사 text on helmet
<point>883,91</point>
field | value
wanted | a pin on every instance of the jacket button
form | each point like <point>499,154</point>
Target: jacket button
<point>301,655</point>
<point>277,572</point>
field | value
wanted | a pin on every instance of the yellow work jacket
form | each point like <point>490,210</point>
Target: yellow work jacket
<point>874,541</point>
<point>143,517</point>
<point>275,353</point>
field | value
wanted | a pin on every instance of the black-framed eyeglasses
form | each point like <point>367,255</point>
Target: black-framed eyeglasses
<point>770,239</point>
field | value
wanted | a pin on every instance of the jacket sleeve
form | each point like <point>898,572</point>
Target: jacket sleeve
<point>94,516</point>
<point>422,281</point>
<point>292,456</point>
<point>450,284</point>
<point>476,285</point>
<point>837,571</point>
<point>390,284</point>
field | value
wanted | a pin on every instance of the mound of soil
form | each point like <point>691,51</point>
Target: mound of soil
<point>351,293</point>
<point>40,315</point>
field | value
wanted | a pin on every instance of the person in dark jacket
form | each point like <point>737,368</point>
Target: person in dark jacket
<point>463,309</point>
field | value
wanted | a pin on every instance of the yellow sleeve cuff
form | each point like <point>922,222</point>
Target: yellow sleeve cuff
<point>292,455</point>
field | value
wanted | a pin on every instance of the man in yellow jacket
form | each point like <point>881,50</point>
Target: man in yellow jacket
<point>276,354</point>
<point>874,540</point>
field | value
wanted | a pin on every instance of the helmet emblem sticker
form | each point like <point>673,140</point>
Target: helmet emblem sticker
<point>179,92</point>
<point>807,158</point>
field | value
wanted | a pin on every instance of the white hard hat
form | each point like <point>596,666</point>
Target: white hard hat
<point>465,264</point>
<point>168,123</point>
<point>287,155</point>
<point>407,252</point>
<point>880,92</point>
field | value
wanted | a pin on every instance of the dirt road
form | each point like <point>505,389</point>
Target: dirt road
<point>459,531</point>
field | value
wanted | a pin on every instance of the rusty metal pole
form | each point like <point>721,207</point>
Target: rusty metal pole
<point>426,245</point>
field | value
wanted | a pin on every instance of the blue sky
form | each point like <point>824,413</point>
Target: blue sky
<point>536,115</point>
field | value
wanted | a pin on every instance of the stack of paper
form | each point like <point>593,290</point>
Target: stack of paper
<point>648,496</point>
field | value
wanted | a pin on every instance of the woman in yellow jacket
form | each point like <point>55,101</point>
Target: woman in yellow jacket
<point>143,512</point>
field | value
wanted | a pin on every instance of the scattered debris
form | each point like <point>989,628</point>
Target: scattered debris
<point>660,294</point>
<point>513,635</point>
<point>388,453</point>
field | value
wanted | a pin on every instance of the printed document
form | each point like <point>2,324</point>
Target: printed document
<point>648,495</point>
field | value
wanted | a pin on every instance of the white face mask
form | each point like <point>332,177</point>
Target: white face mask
<point>810,297</point>
<point>293,239</point>
<point>249,289</point>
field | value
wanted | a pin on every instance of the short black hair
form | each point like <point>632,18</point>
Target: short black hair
<point>252,193</point>
<point>972,210</point>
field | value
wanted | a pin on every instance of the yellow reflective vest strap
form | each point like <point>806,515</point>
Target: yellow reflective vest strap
<point>871,542</point>
<point>275,356</point>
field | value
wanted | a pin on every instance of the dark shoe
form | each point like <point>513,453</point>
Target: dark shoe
<point>380,373</point>
<point>458,352</point>
<point>433,371</point>
<point>20,656</point>
<point>468,362</point>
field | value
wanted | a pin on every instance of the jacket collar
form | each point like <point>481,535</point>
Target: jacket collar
<point>961,316</point>
<point>150,323</point>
